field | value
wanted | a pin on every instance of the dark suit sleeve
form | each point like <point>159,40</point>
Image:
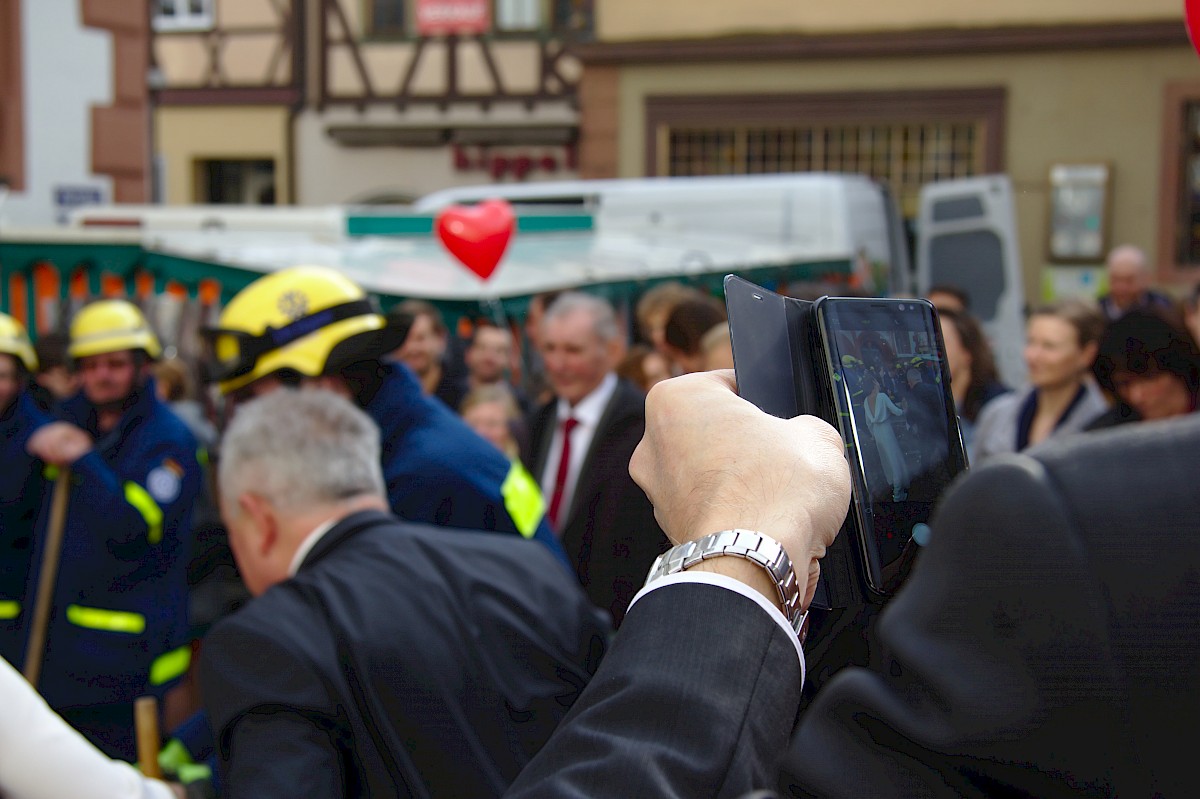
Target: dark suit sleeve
<point>696,698</point>
<point>991,661</point>
<point>276,735</point>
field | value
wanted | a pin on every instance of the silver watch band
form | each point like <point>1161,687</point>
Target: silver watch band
<point>753,546</point>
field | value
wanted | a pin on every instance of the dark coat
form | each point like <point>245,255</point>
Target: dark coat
<point>21,490</point>
<point>1048,645</point>
<point>610,534</point>
<point>401,660</point>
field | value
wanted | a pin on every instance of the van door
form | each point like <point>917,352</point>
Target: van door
<point>967,238</point>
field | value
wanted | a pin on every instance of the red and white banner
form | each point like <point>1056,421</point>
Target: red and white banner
<point>442,17</point>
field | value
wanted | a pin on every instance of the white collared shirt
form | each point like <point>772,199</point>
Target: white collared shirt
<point>587,412</point>
<point>738,587</point>
<point>308,543</point>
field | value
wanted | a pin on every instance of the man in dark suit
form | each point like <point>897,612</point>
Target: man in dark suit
<point>1048,644</point>
<point>379,657</point>
<point>581,444</point>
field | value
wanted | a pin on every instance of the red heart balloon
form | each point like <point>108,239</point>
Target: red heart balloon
<point>477,235</point>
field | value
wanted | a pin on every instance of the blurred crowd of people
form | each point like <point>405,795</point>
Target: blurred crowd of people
<point>1129,357</point>
<point>159,547</point>
<point>523,429</point>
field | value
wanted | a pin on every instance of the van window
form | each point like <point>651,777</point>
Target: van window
<point>957,208</point>
<point>975,259</point>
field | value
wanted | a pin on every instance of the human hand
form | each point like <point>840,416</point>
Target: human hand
<point>711,461</point>
<point>59,443</point>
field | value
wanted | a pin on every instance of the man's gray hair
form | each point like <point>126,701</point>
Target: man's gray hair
<point>300,449</point>
<point>604,318</point>
<point>1129,253</point>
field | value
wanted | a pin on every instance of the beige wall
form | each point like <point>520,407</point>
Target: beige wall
<point>673,19</point>
<point>1080,106</point>
<point>250,13</point>
<point>330,173</point>
<point>247,57</point>
<point>184,135</point>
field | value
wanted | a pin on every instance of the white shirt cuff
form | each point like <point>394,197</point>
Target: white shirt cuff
<point>738,587</point>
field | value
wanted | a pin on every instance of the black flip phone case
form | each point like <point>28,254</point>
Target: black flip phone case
<point>777,357</point>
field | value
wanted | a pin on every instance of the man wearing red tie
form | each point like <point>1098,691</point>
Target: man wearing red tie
<point>581,442</point>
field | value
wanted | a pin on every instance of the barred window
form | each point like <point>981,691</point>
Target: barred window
<point>905,155</point>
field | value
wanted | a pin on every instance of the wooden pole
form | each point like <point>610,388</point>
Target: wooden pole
<point>145,725</point>
<point>48,577</point>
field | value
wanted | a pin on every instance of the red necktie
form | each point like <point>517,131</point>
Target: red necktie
<point>564,464</point>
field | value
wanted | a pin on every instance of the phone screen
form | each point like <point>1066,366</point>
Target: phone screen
<point>891,389</point>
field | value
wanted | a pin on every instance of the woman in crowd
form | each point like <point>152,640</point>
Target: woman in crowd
<point>655,306</point>
<point>716,348</point>
<point>643,366</point>
<point>1060,347</point>
<point>176,387</point>
<point>492,412</point>
<point>1151,365</point>
<point>974,380</point>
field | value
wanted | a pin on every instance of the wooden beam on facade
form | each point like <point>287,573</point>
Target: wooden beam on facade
<point>887,44</point>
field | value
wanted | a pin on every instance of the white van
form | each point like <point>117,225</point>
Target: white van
<point>810,215</point>
<point>967,238</point>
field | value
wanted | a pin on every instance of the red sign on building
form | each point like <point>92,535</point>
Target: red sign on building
<point>442,17</point>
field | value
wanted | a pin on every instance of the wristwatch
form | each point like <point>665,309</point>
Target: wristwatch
<point>754,547</point>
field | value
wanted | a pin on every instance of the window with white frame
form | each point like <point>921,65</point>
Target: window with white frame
<point>518,15</point>
<point>183,15</point>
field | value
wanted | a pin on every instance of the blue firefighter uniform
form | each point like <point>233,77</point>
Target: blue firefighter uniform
<point>21,491</point>
<point>119,628</point>
<point>439,471</point>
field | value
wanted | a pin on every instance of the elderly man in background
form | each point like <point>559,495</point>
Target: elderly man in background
<point>378,657</point>
<point>1129,284</point>
<point>581,444</point>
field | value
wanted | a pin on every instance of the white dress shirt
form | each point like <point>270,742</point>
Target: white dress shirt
<point>587,412</point>
<point>309,542</point>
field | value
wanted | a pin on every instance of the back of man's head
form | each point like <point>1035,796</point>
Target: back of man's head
<point>690,320</point>
<point>300,450</point>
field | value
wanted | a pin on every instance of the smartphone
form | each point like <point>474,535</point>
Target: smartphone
<point>888,390</point>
